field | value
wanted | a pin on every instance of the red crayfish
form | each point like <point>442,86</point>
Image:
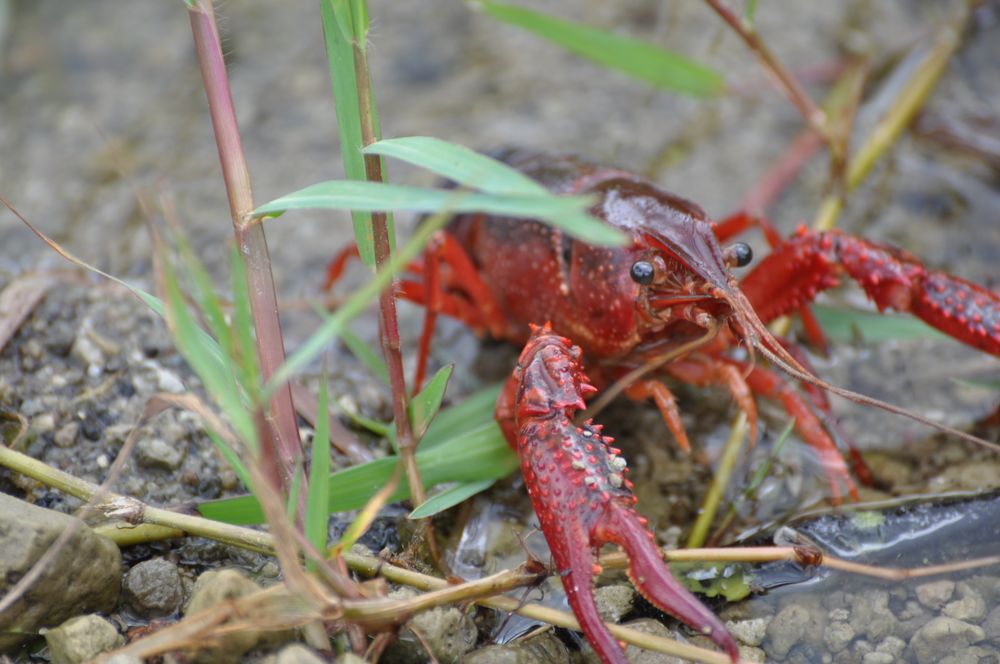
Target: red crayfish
<point>667,302</point>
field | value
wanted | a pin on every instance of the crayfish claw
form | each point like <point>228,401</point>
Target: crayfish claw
<point>577,485</point>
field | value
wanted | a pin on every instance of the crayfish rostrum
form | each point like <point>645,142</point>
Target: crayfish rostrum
<point>666,304</point>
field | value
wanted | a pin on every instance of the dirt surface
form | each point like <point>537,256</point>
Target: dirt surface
<point>103,112</point>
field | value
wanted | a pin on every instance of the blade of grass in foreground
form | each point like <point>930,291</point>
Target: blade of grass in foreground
<point>477,455</point>
<point>449,498</point>
<point>565,212</point>
<point>318,496</point>
<point>646,62</point>
<point>457,162</point>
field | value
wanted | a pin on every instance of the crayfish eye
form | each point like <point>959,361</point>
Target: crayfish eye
<point>739,254</point>
<point>642,272</point>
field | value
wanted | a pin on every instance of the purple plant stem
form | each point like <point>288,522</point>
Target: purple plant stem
<point>280,450</point>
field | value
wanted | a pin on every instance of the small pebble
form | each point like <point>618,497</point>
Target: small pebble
<point>67,434</point>
<point>153,589</point>
<point>935,594</point>
<point>157,453</point>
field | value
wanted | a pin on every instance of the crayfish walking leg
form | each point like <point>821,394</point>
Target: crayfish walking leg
<point>577,485</point>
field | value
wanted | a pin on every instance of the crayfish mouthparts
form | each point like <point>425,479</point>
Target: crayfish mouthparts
<point>578,486</point>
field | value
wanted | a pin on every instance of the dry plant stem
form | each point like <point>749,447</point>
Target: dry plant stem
<point>283,447</point>
<point>812,113</point>
<point>888,130</point>
<point>180,524</point>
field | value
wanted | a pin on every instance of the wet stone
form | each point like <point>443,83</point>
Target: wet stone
<point>795,623</point>
<point>614,602</point>
<point>749,632</point>
<point>969,606</point>
<point>935,594</point>
<point>153,589</point>
<point>838,635</point>
<point>943,636</point>
<point>81,639</point>
<point>871,615</point>
<point>158,453</point>
<point>542,649</point>
<point>448,632</point>
<point>971,655</point>
<point>992,625</point>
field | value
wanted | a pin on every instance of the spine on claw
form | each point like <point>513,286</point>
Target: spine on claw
<point>578,486</point>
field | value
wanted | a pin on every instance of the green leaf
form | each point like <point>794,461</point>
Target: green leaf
<point>449,498</point>
<point>474,412</point>
<point>424,405</point>
<point>318,497</point>
<point>846,325</point>
<point>641,60</point>
<point>214,368</point>
<point>477,455</point>
<point>458,163</point>
<point>363,352</point>
<point>565,212</point>
<point>343,21</point>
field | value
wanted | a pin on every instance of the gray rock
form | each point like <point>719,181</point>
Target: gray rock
<point>838,635</point>
<point>614,602</point>
<point>157,453</point>
<point>67,434</point>
<point>971,655</point>
<point>84,577</point>
<point>891,645</point>
<point>153,589</point>
<point>935,594</point>
<point>877,658</point>
<point>749,632</point>
<point>81,639</point>
<point>787,628</point>
<point>992,625</point>
<point>448,632</point>
<point>871,617</point>
<point>637,655</point>
<point>943,636</point>
<point>752,654</point>
<point>212,588</point>
<point>85,350</point>
<point>970,604</point>
<point>545,648</point>
<point>297,653</point>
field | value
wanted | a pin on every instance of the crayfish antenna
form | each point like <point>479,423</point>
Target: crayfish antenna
<point>760,337</point>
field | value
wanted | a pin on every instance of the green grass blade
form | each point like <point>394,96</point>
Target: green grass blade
<point>565,212</point>
<point>425,404</point>
<point>476,411</point>
<point>340,25</point>
<point>641,60</point>
<point>458,163</point>
<point>846,325</point>
<point>334,324</point>
<point>364,354</point>
<point>215,370</point>
<point>244,348</point>
<point>449,498</point>
<point>477,455</point>
<point>318,497</point>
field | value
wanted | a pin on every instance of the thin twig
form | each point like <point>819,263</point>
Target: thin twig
<point>812,113</point>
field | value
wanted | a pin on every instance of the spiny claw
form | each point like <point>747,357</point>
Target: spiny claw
<point>579,490</point>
